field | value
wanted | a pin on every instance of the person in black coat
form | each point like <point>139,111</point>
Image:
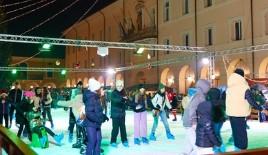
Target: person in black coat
<point>94,117</point>
<point>119,101</point>
<point>14,97</point>
<point>4,109</point>
<point>205,134</point>
<point>24,107</point>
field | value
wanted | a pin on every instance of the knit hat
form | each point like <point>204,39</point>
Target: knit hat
<point>239,71</point>
<point>28,94</point>
<point>93,85</point>
<point>161,86</point>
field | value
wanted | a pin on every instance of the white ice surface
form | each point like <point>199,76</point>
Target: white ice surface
<point>258,137</point>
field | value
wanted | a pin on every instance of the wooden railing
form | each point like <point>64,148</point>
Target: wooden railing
<point>260,151</point>
<point>13,145</point>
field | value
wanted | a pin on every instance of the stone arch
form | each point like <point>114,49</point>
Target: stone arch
<point>237,63</point>
<point>73,84</point>
<point>186,78</point>
<point>263,69</point>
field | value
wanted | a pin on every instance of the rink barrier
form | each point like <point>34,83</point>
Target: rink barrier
<point>12,145</point>
<point>259,151</point>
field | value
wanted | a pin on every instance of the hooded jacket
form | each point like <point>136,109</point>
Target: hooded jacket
<point>160,101</point>
<point>189,116</point>
<point>93,110</point>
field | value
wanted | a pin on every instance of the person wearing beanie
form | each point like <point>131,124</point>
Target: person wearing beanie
<point>140,117</point>
<point>119,102</point>
<point>239,100</point>
<point>94,117</point>
<point>189,117</point>
<point>160,101</point>
<point>76,105</point>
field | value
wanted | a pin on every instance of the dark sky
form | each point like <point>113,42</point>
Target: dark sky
<point>53,28</point>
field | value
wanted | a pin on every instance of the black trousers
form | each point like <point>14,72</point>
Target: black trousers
<point>81,133</point>
<point>72,121</point>
<point>239,130</point>
<point>11,113</point>
<point>119,123</point>
<point>5,117</point>
<point>25,125</point>
<point>47,112</point>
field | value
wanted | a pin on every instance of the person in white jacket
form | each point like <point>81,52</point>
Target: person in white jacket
<point>78,109</point>
<point>160,101</point>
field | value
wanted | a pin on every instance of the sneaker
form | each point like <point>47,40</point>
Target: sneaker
<point>137,141</point>
<point>175,119</point>
<point>114,145</point>
<point>145,140</point>
<point>125,144</point>
<point>101,150</point>
<point>78,144</point>
<point>152,137</point>
<point>170,136</point>
<point>58,138</point>
<point>43,141</point>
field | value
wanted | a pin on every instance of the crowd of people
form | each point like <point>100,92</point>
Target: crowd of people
<point>205,109</point>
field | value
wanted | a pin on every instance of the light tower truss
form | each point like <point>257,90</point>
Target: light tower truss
<point>89,43</point>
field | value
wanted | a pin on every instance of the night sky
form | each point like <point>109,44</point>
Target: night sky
<point>53,28</point>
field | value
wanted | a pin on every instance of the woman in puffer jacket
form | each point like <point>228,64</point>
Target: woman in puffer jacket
<point>205,134</point>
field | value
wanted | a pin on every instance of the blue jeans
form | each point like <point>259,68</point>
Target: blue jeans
<point>217,129</point>
<point>163,116</point>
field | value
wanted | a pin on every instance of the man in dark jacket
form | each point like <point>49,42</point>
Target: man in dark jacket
<point>15,97</point>
<point>118,106</point>
<point>94,117</point>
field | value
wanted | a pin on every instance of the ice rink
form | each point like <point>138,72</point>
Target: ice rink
<point>258,137</point>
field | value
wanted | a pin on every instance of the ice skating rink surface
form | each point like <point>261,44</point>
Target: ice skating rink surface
<point>258,137</point>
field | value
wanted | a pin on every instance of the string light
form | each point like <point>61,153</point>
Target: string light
<point>27,6</point>
<point>26,13</point>
<point>89,9</point>
<point>12,4</point>
<point>50,18</point>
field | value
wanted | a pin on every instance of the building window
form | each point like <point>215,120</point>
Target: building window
<point>167,42</point>
<point>209,37</point>
<point>237,30</point>
<point>266,23</point>
<point>185,7</point>
<point>208,3</point>
<point>166,10</point>
<point>186,39</point>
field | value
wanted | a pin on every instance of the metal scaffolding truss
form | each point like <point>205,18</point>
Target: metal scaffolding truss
<point>39,69</point>
<point>89,43</point>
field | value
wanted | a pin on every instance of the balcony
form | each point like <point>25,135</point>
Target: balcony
<point>147,32</point>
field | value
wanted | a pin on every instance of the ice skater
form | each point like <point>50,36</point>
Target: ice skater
<point>140,117</point>
<point>160,101</point>
<point>94,117</point>
<point>119,101</point>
